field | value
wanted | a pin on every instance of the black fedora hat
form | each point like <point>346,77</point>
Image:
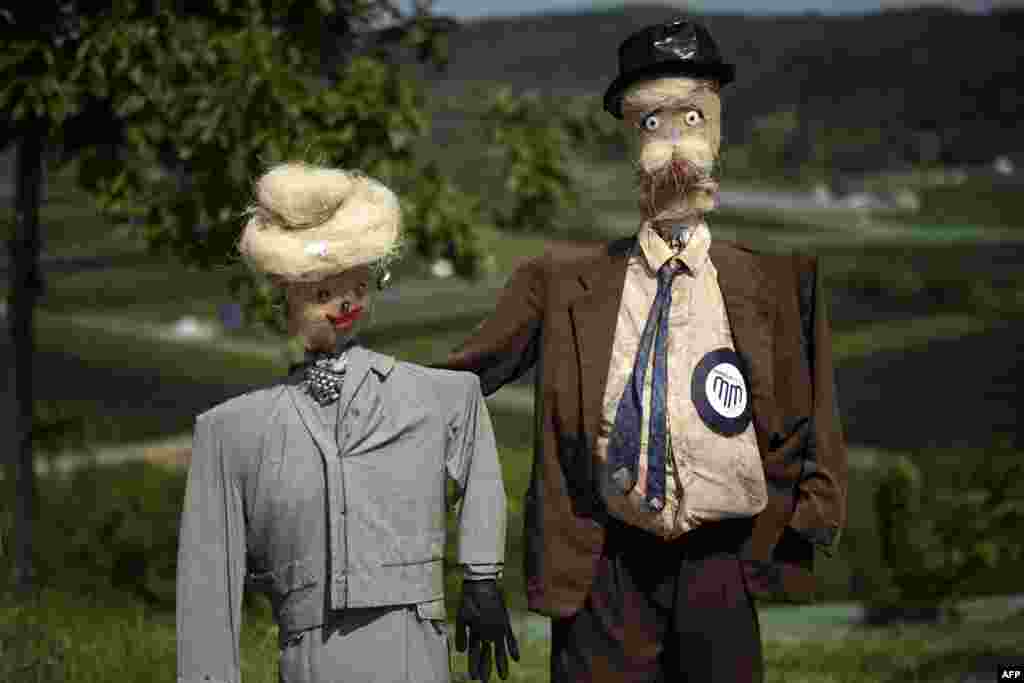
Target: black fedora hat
<point>678,48</point>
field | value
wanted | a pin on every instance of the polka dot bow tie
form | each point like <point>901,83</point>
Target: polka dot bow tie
<point>324,376</point>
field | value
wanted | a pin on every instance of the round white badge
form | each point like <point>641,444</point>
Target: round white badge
<point>721,393</point>
<point>726,390</point>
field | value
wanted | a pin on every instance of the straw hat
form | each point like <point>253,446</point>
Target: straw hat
<point>311,222</point>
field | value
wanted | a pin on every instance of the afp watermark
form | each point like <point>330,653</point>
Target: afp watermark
<point>1003,670</point>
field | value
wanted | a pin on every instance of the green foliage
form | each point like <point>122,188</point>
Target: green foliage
<point>441,221</point>
<point>30,654</point>
<point>936,538</point>
<point>766,146</point>
<point>54,430</point>
<point>837,148</point>
<point>589,126</point>
<point>979,200</point>
<point>112,527</point>
<point>170,116</point>
<point>263,303</point>
<point>534,161</point>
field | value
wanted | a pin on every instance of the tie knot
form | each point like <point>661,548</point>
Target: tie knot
<point>669,270</point>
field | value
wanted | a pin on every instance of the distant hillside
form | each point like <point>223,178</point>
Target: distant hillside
<point>943,74</point>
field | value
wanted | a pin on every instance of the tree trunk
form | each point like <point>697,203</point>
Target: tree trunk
<point>26,286</point>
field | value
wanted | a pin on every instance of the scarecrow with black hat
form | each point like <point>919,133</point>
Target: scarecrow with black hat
<point>688,452</point>
<point>328,490</point>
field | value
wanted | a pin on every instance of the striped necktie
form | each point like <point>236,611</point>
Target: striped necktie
<point>624,449</point>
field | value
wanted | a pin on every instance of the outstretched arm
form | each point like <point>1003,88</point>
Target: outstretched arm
<point>507,344</point>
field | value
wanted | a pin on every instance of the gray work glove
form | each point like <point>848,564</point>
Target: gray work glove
<point>483,615</point>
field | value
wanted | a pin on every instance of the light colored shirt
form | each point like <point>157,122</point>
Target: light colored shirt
<point>708,476</point>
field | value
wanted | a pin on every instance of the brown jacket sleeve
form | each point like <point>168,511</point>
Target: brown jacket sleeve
<point>820,513</point>
<point>507,344</point>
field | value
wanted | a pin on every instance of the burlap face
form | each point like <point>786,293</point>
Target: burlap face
<point>330,312</point>
<point>675,128</point>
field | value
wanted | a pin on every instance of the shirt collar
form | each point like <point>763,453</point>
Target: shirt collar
<point>655,252</point>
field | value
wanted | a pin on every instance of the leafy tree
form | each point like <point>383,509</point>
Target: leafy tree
<point>531,146</point>
<point>170,109</point>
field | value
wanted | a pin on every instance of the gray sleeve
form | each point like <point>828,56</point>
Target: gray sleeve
<point>472,463</point>
<point>211,566</point>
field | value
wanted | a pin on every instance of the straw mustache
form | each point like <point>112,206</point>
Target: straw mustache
<point>674,179</point>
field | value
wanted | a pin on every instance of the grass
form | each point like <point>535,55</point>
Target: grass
<point>915,654</point>
<point>904,335</point>
<point>978,200</point>
<point>111,638</point>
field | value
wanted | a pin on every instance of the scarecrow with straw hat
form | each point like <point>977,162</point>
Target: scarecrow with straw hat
<point>328,489</point>
<point>688,452</point>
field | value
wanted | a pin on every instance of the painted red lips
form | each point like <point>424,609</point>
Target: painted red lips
<point>345,319</point>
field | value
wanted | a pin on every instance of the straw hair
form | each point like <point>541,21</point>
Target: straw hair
<point>643,96</point>
<point>310,222</point>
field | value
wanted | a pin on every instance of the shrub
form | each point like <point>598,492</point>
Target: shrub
<point>936,537</point>
<point>112,526</point>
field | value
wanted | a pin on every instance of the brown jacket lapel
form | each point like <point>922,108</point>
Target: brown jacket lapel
<point>594,311</point>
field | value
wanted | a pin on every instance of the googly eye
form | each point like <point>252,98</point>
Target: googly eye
<point>650,122</point>
<point>693,117</point>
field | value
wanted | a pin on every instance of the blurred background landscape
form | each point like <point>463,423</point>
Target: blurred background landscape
<point>887,142</point>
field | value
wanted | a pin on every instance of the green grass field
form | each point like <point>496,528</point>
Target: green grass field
<point>81,639</point>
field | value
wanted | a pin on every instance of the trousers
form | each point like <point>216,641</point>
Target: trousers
<point>664,612</point>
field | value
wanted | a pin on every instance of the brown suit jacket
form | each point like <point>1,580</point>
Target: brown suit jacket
<point>560,313</point>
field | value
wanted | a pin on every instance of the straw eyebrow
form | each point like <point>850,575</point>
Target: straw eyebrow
<point>644,106</point>
<point>641,99</point>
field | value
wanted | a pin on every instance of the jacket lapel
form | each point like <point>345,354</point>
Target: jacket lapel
<point>750,298</point>
<point>360,361</point>
<point>594,312</point>
<point>314,425</point>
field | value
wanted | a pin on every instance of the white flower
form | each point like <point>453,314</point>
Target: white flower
<point>189,327</point>
<point>442,268</point>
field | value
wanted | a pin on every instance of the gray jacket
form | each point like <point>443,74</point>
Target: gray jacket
<point>323,521</point>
